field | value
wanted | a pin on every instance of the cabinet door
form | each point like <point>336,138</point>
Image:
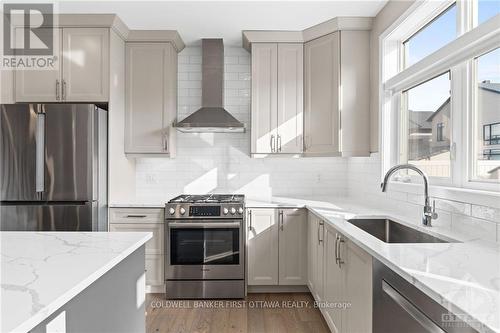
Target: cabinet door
<point>262,247</point>
<point>155,244</point>
<point>312,250</point>
<point>290,98</point>
<point>149,97</point>
<point>85,64</point>
<point>40,85</point>
<point>322,84</point>
<point>358,288</point>
<point>264,97</point>
<point>292,247</point>
<point>333,281</point>
<point>316,230</point>
<point>355,50</point>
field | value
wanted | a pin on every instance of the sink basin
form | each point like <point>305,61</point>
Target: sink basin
<point>389,231</point>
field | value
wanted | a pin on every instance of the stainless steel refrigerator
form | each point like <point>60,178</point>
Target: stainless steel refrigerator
<point>53,167</point>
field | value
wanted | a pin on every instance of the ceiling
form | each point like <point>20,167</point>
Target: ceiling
<point>209,19</point>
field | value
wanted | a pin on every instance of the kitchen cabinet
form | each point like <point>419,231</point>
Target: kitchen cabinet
<point>276,246</point>
<point>292,247</point>
<point>80,74</point>
<point>150,98</point>
<point>277,98</point>
<point>144,220</point>
<point>336,97</point>
<point>315,255</point>
<point>348,278</point>
<point>262,247</point>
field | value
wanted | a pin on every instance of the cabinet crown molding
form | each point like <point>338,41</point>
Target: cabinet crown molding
<point>111,21</point>
<point>303,36</point>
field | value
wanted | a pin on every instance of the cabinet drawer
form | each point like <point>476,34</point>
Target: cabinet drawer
<point>136,215</point>
<point>155,244</point>
<point>154,270</point>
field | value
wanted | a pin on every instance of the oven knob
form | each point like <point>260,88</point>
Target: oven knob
<point>233,211</point>
<point>171,211</point>
<point>225,211</point>
<point>182,211</point>
<point>240,210</point>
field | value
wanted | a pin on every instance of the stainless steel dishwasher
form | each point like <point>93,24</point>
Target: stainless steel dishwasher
<point>399,307</point>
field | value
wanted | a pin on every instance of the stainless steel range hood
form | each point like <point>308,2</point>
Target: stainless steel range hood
<point>212,117</point>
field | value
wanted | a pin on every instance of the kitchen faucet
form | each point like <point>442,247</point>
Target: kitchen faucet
<point>429,212</point>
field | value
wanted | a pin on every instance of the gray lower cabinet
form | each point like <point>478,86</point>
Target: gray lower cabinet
<point>145,220</point>
<point>340,276</point>
<point>276,247</point>
<point>150,99</point>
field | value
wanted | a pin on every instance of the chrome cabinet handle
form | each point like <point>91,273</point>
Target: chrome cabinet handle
<point>340,261</point>
<point>336,249</point>
<point>63,90</point>
<point>250,220</point>
<point>279,143</point>
<point>281,220</point>
<point>58,96</point>
<point>165,142</point>
<point>272,144</point>
<point>411,309</point>
<point>320,225</point>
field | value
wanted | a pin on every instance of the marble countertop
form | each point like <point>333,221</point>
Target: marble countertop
<point>463,276</point>
<point>41,271</point>
<point>136,205</point>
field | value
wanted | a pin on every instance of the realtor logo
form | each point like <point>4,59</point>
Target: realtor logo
<point>33,24</point>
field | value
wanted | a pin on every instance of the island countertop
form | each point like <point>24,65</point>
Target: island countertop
<point>41,271</point>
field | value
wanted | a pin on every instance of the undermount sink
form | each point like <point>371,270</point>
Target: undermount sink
<point>389,231</point>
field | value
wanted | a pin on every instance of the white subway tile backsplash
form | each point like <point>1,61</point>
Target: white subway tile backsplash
<point>487,213</point>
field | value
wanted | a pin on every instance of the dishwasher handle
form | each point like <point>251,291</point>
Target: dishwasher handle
<point>411,309</point>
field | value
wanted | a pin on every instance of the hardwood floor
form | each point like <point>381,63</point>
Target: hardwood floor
<point>258,313</point>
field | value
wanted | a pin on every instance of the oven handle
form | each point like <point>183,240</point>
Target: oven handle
<point>204,225</point>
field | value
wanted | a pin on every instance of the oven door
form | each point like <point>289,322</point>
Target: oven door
<point>204,249</point>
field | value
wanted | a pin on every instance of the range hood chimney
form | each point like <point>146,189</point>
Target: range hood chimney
<point>212,117</point>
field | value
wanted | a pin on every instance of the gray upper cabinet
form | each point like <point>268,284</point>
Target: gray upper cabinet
<point>81,73</point>
<point>322,81</point>
<point>337,96</point>
<point>277,98</point>
<point>150,98</point>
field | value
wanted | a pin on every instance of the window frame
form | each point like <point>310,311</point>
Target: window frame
<point>457,56</point>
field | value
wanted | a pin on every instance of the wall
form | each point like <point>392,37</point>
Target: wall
<point>220,162</point>
<point>391,11</point>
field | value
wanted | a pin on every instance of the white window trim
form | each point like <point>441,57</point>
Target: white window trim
<point>456,56</point>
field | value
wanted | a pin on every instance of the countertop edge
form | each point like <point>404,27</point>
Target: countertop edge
<point>49,309</point>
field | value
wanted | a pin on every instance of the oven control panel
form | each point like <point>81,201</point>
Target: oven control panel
<point>200,211</point>
<point>204,211</point>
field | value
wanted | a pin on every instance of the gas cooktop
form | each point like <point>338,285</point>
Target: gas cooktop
<point>208,198</point>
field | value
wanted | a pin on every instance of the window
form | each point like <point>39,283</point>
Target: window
<point>486,9</point>
<point>440,93</point>
<point>427,108</point>
<point>439,132</point>
<point>491,134</point>
<point>431,37</point>
<point>487,116</point>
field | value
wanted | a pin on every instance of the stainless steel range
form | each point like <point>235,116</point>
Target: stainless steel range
<point>205,246</point>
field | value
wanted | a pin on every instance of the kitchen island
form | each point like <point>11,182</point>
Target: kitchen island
<point>72,281</point>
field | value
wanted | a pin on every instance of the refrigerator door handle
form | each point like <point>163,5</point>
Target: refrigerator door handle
<point>40,153</point>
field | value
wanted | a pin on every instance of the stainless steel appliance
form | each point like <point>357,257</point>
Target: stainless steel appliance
<point>53,167</point>
<point>205,247</point>
<point>212,117</point>
<point>398,306</point>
